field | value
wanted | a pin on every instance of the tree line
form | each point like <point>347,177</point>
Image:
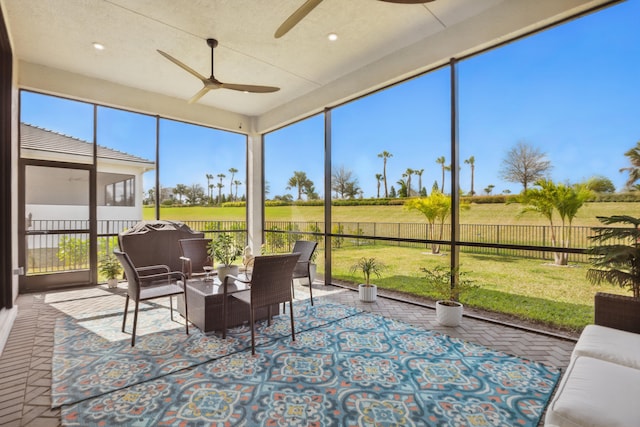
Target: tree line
<point>197,195</point>
<point>523,164</point>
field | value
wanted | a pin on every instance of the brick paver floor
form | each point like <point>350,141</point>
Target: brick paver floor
<point>25,364</point>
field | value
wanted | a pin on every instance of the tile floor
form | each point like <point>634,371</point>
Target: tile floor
<point>25,364</point>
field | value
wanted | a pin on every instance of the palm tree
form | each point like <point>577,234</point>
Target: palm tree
<point>419,172</point>
<point>471,161</point>
<point>378,179</point>
<point>298,180</point>
<point>408,174</point>
<point>220,186</point>
<point>402,191</point>
<point>616,256</point>
<point>551,197</point>
<point>634,170</point>
<point>180,190</point>
<point>440,161</point>
<point>209,178</point>
<point>237,183</point>
<point>569,199</point>
<point>385,155</point>
<point>232,171</point>
<point>436,208</point>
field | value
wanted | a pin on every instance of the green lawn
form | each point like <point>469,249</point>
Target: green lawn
<point>477,214</point>
<point>530,289</point>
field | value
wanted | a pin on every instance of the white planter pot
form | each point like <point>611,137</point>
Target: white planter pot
<point>312,272</point>
<point>367,293</point>
<point>226,270</point>
<point>112,283</point>
<point>449,313</point>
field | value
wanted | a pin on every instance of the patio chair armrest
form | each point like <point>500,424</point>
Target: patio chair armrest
<point>152,268</point>
<point>179,274</point>
<point>234,278</point>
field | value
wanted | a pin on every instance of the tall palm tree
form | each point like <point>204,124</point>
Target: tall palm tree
<point>471,161</point>
<point>440,160</point>
<point>408,174</point>
<point>419,172</point>
<point>209,178</point>
<point>634,170</point>
<point>232,171</point>
<point>378,179</point>
<point>385,155</point>
<point>237,183</point>
<point>220,186</point>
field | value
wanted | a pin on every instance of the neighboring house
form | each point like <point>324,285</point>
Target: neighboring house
<point>63,194</point>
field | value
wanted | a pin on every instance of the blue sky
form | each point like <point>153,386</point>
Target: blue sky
<point>571,91</point>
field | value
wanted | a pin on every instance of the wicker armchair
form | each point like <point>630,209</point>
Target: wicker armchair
<point>150,286</point>
<point>303,268</point>
<point>195,256</point>
<point>617,311</point>
<point>270,284</point>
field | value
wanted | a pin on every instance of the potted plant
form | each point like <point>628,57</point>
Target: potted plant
<point>368,266</point>
<point>615,258</point>
<point>224,249</point>
<point>110,268</point>
<point>448,309</point>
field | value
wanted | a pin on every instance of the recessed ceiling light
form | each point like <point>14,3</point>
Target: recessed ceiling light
<point>332,36</point>
<point>98,46</point>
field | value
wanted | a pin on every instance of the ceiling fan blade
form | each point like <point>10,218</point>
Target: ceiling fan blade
<point>181,65</point>
<point>249,88</point>
<point>296,17</point>
<point>199,95</point>
<point>407,1</point>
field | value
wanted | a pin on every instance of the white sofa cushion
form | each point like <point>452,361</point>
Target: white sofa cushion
<point>610,344</point>
<point>596,393</point>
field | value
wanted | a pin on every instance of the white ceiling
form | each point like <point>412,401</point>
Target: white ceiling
<point>378,43</point>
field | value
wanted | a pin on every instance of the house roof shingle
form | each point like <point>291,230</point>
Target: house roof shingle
<point>36,138</point>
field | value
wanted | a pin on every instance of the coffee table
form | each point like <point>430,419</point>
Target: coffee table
<point>205,305</point>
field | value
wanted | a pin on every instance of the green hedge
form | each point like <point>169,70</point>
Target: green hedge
<point>500,198</point>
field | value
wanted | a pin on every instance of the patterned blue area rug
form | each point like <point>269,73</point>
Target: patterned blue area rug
<point>91,356</point>
<point>363,370</point>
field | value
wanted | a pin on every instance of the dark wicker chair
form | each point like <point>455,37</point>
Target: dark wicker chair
<point>617,311</point>
<point>303,268</point>
<point>270,284</point>
<point>143,288</point>
<point>195,256</point>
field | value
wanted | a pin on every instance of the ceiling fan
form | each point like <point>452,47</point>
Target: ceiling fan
<point>213,83</point>
<point>309,5</point>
